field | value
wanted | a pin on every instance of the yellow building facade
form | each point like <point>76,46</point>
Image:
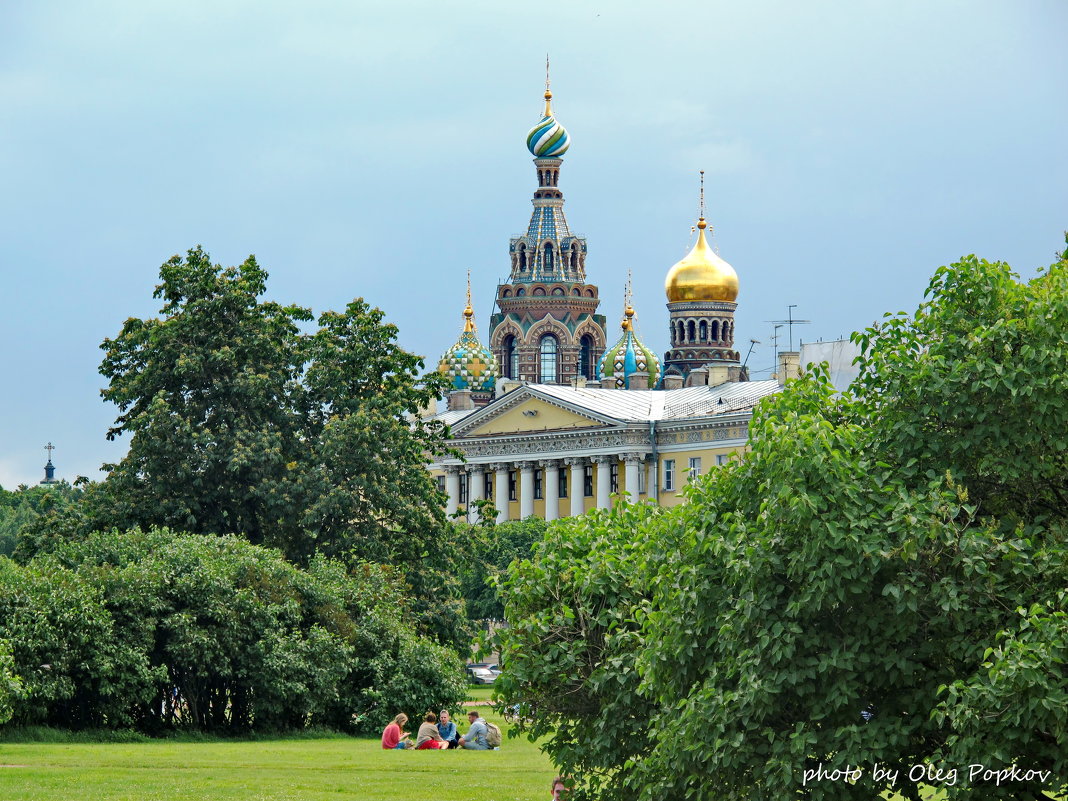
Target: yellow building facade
<point>554,451</point>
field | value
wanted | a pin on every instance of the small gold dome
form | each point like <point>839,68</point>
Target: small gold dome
<point>701,275</point>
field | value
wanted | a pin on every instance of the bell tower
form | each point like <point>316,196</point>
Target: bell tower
<point>547,329</point>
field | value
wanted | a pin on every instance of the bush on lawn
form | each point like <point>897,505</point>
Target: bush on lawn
<point>158,630</point>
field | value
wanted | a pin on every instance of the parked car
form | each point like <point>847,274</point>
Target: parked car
<point>480,674</point>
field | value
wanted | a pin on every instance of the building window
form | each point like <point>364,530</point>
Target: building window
<point>586,358</point>
<point>563,484</point>
<point>511,485</point>
<point>511,358</point>
<point>614,473</point>
<point>487,492</point>
<point>669,474</point>
<point>587,481</point>
<point>641,480</point>
<point>537,485</point>
<point>463,487</point>
<point>441,483</point>
<point>548,359</point>
<point>722,459</point>
<point>695,468</point>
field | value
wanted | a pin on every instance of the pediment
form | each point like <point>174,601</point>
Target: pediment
<point>525,411</point>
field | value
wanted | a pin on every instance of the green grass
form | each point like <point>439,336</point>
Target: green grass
<point>335,768</point>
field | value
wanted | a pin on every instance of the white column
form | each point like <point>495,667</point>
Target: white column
<point>500,490</point>
<point>526,490</point>
<point>578,474</point>
<point>476,488</point>
<point>633,462</point>
<point>452,488</point>
<point>551,488</point>
<point>604,480</point>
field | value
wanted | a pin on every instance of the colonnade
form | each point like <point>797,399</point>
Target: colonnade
<point>575,467</point>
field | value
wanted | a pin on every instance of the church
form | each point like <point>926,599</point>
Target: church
<point>551,419</point>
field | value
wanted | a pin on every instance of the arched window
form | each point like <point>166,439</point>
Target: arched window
<point>557,291</point>
<point>548,359</point>
<point>690,329</point>
<point>539,291</point>
<point>702,331</point>
<point>522,258</point>
<point>680,332</point>
<point>715,330</point>
<point>574,257</point>
<point>586,357</point>
<point>511,358</point>
<point>520,292</point>
<point>548,261</point>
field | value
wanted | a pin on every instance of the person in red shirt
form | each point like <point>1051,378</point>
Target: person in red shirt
<point>394,735</point>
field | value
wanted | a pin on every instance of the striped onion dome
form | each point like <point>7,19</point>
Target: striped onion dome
<point>468,364</point>
<point>548,139</point>
<point>628,356</point>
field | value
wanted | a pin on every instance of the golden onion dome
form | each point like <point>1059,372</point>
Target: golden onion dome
<point>701,275</point>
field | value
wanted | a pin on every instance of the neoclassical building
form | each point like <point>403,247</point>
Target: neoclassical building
<point>551,421</point>
<point>555,451</point>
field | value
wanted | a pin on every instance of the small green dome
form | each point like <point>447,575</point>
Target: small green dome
<point>468,364</point>
<point>628,356</point>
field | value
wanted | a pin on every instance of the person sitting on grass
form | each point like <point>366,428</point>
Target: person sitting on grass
<point>394,735</point>
<point>475,739</point>
<point>447,729</point>
<point>429,736</point>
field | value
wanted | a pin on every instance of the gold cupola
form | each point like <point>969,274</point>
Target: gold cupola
<point>702,274</point>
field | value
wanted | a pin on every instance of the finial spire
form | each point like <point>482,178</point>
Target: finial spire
<point>628,310</point>
<point>548,92</point>
<point>701,209</point>
<point>469,312</point>
<point>50,447</point>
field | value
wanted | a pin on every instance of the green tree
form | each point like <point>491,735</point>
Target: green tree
<point>10,684</point>
<point>490,548</point>
<point>239,422</point>
<point>157,630</point>
<point>23,506</point>
<point>898,552</point>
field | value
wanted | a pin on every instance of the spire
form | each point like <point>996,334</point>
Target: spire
<point>701,207</point>
<point>50,470</point>
<point>548,91</point>
<point>469,313</point>
<point>628,310</point>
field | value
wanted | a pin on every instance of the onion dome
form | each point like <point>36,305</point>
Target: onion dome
<point>468,364</point>
<point>548,139</point>
<point>628,356</point>
<point>702,274</point>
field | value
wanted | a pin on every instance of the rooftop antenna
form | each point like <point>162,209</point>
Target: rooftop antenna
<point>790,322</point>
<point>775,347</point>
<point>752,343</point>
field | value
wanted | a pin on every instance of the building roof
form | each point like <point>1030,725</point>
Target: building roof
<point>676,404</point>
<point>618,406</point>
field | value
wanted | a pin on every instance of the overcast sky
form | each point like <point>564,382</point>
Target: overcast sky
<point>377,150</point>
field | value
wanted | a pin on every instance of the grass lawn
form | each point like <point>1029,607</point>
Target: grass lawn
<point>333,768</point>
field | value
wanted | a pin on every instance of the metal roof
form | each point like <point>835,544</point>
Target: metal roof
<point>676,404</point>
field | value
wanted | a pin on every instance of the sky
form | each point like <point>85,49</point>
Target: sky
<point>377,150</point>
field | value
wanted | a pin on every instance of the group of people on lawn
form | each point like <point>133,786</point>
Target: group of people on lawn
<point>437,731</point>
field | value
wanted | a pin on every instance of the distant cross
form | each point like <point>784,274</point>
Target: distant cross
<point>50,447</point>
